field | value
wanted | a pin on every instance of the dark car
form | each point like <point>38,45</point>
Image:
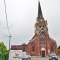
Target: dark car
<point>53,56</point>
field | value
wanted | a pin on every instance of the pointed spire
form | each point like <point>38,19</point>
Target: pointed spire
<point>39,11</point>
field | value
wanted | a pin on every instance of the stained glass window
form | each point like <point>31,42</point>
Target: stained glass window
<point>52,48</point>
<point>42,39</point>
<point>33,48</point>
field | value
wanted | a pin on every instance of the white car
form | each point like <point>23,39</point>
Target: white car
<point>53,56</point>
<point>29,56</point>
<point>25,55</point>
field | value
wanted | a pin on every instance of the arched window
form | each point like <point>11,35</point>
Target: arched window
<point>33,48</point>
<point>52,48</point>
<point>42,39</point>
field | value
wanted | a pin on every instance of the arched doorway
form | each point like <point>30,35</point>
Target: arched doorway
<point>42,52</point>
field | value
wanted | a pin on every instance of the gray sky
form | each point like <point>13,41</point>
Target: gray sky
<point>22,14</point>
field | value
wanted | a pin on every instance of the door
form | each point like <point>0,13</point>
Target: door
<point>43,53</point>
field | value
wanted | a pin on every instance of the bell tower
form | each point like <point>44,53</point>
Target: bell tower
<point>41,24</point>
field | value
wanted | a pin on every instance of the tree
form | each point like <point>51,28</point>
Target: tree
<point>3,49</point>
<point>59,50</point>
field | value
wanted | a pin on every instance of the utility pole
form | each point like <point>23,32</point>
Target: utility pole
<point>9,41</point>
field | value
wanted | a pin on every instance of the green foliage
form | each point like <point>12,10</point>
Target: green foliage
<point>3,49</point>
<point>59,47</point>
<point>59,50</point>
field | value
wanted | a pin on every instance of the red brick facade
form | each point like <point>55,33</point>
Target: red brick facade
<point>36,47</point>
<point>41,44</point>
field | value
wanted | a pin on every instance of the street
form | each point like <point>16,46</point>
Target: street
<point>39,58</point>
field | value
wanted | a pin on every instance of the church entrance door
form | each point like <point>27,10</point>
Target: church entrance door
<point>43,53</point>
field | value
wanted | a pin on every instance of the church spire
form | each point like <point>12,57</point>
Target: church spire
<point>39,11</point>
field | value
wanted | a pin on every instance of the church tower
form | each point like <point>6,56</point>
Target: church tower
<point>41,24</point>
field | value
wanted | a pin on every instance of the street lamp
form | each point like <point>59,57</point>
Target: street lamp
<point>9,44</point>
<point>9,41</point>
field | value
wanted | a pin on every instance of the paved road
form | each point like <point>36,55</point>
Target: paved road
<point>41,58</point>
<point>36,58</point>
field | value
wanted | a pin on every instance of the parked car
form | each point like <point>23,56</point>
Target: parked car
<point>53,56</point>
<point>29,57</point>
<point>25,55</point>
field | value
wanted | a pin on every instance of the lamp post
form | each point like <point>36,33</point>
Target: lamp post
<point>9,41</point>
<point>9,44</point>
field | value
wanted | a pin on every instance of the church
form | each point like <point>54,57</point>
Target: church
<point>41,44</point>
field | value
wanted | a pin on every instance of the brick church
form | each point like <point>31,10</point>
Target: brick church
<point>41,44</point>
